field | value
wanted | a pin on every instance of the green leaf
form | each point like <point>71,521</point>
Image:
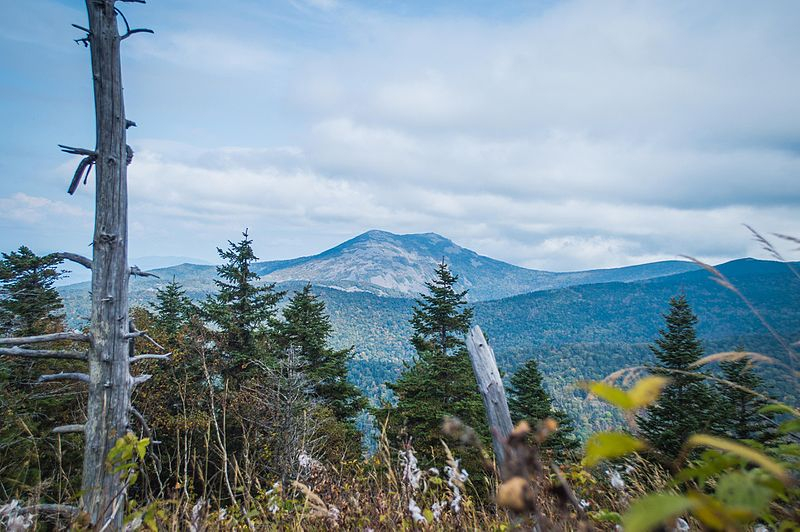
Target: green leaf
<point>651,511</point>
<point>789,427</point>
<point>605,516</point>
<point>751,455</point>
<point>740,490</point>
<point>428,515</point>
<point>777,409</point>
<point>605,445</point>
<point>141,447</point>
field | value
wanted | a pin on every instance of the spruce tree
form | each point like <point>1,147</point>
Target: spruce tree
<point>241,311</point>
<point>741,419</point>
<point>439,382</point>
<point>529,401</point>
<point>29,304</point>
<point>306,329</point>
<point>686,405</point>
<point>173,309</point>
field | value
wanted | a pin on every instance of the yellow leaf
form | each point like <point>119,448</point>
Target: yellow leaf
<point>605,445</point>
<point>749,454</point>
<point>610,394</point>
<point>646,391</point>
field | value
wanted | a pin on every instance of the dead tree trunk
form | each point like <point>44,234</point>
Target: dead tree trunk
<point>111,335</point>
<point>491,387</point>
<point>110,382</point>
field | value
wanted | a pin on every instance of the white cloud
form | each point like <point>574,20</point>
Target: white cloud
<point>26,209</point>
<point>583,134</point>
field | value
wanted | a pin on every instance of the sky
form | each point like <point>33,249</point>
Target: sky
<point>558,135</point>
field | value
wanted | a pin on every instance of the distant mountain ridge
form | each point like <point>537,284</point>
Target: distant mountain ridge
<point>387,264</point>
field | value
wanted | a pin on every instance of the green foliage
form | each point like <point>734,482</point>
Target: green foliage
<point>742,418</point>
<point>241,310</point>
<point>126,457</point>
<point>29,305</point>
<point>731,486</point>
<point>528,400</point>
<point>439,383</point>
<point>28,301</point>
<point>173,309</point>
<point>609,445</point>
<point>687,405</point>
<point>651,511</point>
<point>306,328</point>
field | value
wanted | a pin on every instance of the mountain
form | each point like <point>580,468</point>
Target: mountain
<point>386,264</point>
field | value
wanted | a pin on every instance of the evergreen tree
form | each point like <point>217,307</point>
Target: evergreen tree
<point>29,304</point>
<point>173,309</point>
<point>439,383</point>
<point>241,311</point>
<point>307,329</point>
<point>686,405</point>
<point>528,400</point>
<point>741,419</point>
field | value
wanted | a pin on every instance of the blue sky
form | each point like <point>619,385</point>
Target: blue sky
<point>558,135</point>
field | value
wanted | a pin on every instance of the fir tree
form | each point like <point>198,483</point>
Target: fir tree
<point>173,309</point>
<point>241,311</point>
<point>686,405</point>
<point>529,401</point>
<point>306,329</point>
<point>740,410</point>
<point>439,383</point>
<point>29,304</point>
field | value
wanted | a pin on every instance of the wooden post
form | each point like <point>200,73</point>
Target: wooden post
<point>491,387</point>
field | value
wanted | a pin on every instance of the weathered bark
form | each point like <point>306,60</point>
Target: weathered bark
<point>491,387</point>
<point>110,382</point>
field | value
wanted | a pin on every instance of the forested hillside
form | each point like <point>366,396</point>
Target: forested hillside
<point>576,333</point>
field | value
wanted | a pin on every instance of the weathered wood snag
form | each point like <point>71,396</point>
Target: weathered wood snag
<point>111,338</point>
<point>491,387</point>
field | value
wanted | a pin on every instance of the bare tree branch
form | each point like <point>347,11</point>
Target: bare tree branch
<point>70,511</point>
<point>137,30</point>
<point>128,30</point>
<point>140,379</point>
<point>148,356</point>
<point>42,353</point>
<point>129,124</point>
<point>74,257</point>
<point>145,427</point>
<point>82,377</point>
<point>77,151</point>
<point>83,40</point>
<point>64,429</point>
<point>55,337</point>
<point>137,272</point>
